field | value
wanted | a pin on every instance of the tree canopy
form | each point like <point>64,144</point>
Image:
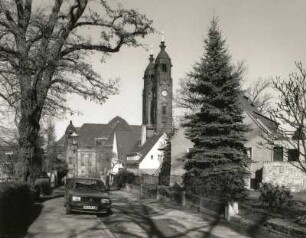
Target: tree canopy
<point>44,50</point>
<point>218,163</point>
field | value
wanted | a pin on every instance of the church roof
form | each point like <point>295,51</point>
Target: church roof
<point>125,142</point>
<point>150,68</point>
<point>89,132</point>
<point>162,54</point>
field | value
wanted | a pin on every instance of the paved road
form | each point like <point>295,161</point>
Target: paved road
<point>53,222</point>
<point>148,218</point>
<point>134,217</point>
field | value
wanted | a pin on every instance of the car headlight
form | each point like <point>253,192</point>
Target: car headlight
<point>104,200</point>
<point>76,199</point>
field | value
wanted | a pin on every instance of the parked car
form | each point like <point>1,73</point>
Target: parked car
<point>87,195</point>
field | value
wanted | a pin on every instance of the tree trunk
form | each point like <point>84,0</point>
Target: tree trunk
<point>30,153</point>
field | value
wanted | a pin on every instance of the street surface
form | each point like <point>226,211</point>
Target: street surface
<point>53,222</point>
<point>132,217</point>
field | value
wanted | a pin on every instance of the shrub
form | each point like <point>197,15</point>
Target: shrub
<point>123,177</point>
<point>16,203</point>
<point>43,186</point>
<point>274,197</point>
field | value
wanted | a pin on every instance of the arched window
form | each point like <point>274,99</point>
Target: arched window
<point>164,67</point>
<point>164,110</point>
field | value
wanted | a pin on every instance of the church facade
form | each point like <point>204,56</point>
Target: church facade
<point>101,150</point>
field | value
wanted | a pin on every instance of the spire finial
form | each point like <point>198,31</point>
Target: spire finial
<point>163,36</point>
<point>151,50</point>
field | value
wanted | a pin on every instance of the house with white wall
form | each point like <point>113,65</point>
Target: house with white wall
<point>147,158</point>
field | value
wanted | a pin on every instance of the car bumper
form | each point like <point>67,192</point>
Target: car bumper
<point>101,208</point>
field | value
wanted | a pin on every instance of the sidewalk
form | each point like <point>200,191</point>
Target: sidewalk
<point>134,217</point>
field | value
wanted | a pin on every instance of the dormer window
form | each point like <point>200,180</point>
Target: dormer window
<point>164,67</point>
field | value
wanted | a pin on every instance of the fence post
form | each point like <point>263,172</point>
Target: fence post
<point>157,193</point>
<point>127,187</point>
<point>201,203</point>
<point>141,190</point>
<point>183,198</point>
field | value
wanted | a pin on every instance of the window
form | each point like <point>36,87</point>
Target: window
<point>82,159</point>
<point>160,158</point>
<point>151,156</point>
<point>249,152</point>
<point>278,154</point>
<point>164,67</point>
<point>89,159</point>
<point>164,110</point>
<point>293,155</point>
<point>70,160</point>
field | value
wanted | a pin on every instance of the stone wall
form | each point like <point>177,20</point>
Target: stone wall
<point>284,173</point>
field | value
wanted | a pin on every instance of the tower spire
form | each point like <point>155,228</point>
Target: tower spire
<point>162,43</point>
<point>163,36</point>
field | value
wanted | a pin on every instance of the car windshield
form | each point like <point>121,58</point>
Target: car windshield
<point>89,184</point>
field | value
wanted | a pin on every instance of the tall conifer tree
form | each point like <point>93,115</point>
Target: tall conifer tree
<point>218,163</point>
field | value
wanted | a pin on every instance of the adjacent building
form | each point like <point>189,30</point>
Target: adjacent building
<point>275,163</point>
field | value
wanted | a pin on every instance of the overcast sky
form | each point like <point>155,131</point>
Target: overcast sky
<point>268,35</point>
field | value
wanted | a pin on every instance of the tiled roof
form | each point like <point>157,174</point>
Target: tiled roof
<point>125,142</point>
<point>89,132</point>
<point>263,122</point>
<point>145,148</point>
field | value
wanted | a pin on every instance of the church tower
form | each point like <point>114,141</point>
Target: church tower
<point>157,94</point>
<point>147,94</point>
<point>163,117</point>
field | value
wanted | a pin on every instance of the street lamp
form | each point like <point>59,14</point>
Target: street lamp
<point>74,137</point>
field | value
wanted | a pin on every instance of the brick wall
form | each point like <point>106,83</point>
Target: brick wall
<point>284,173</point>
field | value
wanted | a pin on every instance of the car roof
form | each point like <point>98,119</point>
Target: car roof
<point>86,178</point>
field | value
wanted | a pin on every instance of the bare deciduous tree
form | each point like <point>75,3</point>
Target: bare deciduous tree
<point>260,95</point>
<point>291,113</point>
<point>44,53</point>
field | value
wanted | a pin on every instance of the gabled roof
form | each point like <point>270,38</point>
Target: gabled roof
<point>145,148</point>
<point>125,142</point>
<point>89,132</point>
<point>264,123</point>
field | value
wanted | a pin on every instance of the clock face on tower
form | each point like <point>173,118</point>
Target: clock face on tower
<point>164,93</point>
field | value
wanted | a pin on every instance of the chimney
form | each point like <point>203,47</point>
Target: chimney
<point>143,134</point>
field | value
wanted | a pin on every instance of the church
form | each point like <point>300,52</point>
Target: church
<point>101,150</point>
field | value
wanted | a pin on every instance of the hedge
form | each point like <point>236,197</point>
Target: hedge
<point>16,203</point>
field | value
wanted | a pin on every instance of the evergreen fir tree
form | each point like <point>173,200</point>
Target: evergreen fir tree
<point>217,165</point>
<point>164,175</point>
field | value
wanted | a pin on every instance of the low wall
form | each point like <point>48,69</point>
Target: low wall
<point>284,173</point>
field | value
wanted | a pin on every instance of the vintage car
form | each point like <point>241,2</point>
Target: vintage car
<point>87,195</point>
